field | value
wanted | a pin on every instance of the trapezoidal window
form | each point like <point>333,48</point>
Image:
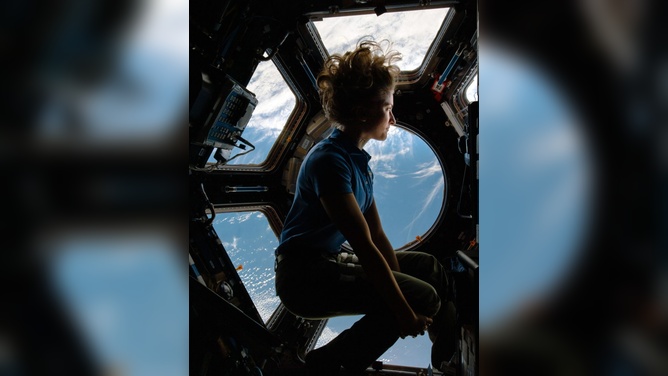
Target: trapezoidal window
<point>250,242</point>
<point>275,104</point>
<point>410,32</point>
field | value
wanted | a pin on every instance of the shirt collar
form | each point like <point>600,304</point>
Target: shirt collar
<point>348,144</point>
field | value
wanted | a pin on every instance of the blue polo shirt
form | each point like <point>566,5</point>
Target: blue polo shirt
<point>334,165</point>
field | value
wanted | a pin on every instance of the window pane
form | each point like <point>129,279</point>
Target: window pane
<point>126,294</point>
<point>275,103</point>
<point>250,242</point>
<point>408,185</point>
<point>411,32</point>
<point>413,352</point>
<point>538,185</point>
<point>472,90</point>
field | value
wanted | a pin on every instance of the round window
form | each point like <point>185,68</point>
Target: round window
<point>408,186</point>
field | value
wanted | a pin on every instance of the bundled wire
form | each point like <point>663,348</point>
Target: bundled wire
<point>244,153</point>
<point>219,164</point>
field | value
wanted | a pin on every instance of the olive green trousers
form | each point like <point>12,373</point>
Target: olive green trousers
<point>314,285</point>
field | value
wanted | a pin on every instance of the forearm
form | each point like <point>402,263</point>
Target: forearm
<point>380,274</point>
<point>379,238</point>
<point>347,217</point>
<point>385,247</point>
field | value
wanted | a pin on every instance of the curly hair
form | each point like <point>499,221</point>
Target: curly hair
<point>349,83</point>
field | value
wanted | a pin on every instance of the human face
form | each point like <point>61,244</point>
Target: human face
<point>381,117</point>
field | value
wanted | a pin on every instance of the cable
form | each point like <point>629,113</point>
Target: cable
<point>244,153</point>
<point>216,166</point>
<point>274,51</point>
<point>245,20</point>
<point>461,193</point>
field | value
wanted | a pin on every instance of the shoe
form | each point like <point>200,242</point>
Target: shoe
<point>319,363</point>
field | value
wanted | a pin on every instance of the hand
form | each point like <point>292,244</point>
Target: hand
<point>414,326</point>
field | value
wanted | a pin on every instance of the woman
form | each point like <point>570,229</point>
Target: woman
<point>397,292</point>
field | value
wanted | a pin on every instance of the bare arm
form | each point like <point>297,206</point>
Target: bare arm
<point>379,238</point>
<point>347,217</point>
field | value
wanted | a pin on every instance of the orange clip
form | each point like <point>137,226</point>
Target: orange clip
<point>418,238</point>
<point>239,267</point>
<point>472,243</point>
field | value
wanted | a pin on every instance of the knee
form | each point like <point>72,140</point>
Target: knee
<point>433,271</point>
<point>427,262</point>
<point>432,302</point>
<point>434,264</point>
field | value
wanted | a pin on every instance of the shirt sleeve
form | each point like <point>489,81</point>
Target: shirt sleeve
<point>330,172</point>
